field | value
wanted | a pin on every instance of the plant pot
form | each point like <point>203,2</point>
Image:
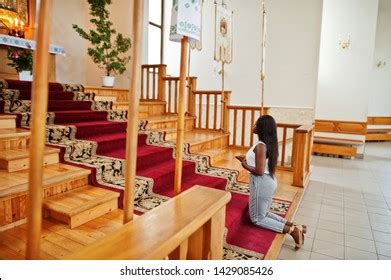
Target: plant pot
<point>25,76</point>
<point>107,81</point>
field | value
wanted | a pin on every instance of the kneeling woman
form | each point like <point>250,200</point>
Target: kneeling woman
<point>261,161</point>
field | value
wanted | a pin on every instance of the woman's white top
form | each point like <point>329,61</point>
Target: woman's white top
<point>250,157</point>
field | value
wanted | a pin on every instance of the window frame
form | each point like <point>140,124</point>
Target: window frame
<point>161,27</point>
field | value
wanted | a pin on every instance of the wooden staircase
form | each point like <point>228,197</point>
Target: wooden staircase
<point>67,195</point>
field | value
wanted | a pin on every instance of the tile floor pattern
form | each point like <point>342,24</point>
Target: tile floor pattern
<point>347,208</point>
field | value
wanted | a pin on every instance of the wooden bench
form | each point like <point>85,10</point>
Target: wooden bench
<point>379,129</point>
<point>189,226</point>
<point>335,137</point>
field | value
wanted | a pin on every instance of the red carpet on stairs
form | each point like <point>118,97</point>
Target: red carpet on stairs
<point>156,162</point>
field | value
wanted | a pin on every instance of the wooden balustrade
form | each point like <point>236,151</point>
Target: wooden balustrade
<point>170,230</point>
<point>152,83</point>
<point>207,106</point>
<point>171,86</point>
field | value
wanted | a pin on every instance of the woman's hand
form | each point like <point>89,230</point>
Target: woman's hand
<point>240,158</point>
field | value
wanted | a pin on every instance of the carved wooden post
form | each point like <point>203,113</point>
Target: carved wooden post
<point>161,84</point>
<point>301,155</point>
<point>38,130</point>
<point>226,103</point>
<point>191,99</point>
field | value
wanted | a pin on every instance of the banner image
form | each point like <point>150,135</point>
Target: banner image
<point>186,20</point>
<point>223,35</point>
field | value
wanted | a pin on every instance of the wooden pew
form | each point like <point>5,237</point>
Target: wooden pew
<point>188,226</point>
<point>379,129</point>
<point>341,138</point>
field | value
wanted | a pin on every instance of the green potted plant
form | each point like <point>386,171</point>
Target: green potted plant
<point>22,61</point>
<point>108,48</point>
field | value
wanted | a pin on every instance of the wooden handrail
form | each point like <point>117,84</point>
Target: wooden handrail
<point>167,229</point>
<point>152,65</point>
<point>210,92</point>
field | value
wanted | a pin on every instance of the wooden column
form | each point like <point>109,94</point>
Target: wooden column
<point>133,110</point>
<point>181,117</point>
<point>38,130</point>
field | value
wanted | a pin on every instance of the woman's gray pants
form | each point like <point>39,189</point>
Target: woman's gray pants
<point>262,189</point>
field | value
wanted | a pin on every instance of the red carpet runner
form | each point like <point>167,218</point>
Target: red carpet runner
<point>155,161</point>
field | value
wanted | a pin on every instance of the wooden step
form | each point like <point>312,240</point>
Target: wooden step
<point>57,178</point>
<point>215,155</point>
<point>146,109</point>
<point>200,140</point>
<point>7,121</point>
<point>18,159</point>
<point>168,121</point>
<point>112,98</point>
<point>80,206</point>
<point>14,138</point>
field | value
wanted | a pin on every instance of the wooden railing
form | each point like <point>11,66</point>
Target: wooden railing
<point>211,109</point>
<point>169,231</point>
<point>171,87</point>
<point>291,138</point>
<point>152,83</point>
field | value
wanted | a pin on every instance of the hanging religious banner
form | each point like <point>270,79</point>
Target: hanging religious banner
<point>223,34</point>
<point>185,20</point>
<point>197,45</point>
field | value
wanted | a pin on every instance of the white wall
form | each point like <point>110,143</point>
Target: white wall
<point>121,16</point>
<point>69,68</point>
<point>344,80</point>
<point>380,94</point>
<point>292,52</point>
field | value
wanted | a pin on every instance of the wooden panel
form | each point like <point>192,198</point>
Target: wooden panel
<point>359,128</point>
<point>378,137</point>
<point>379,120</point>
<point>160,231</point>
<point>334,150</point>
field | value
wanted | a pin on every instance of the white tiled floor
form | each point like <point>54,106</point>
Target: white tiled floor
<point>347,208</point>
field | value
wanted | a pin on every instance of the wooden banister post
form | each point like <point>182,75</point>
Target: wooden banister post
<point>133,112</point>
<point>301,155</point>
<point>226,103</point>
<point>181,117</point>
<point>161,84</point>
<point>191,98</point>
<point>38,130</point>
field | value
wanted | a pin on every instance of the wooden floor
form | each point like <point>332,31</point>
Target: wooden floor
<point>59,241</point>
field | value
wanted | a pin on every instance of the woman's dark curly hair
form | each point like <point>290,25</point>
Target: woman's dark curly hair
<point>266,129</point>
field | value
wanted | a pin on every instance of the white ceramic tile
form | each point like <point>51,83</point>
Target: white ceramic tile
<point>360,243</point>
<point>382,237</point>
<point>359,232</point>
<point>381,227</point>
<point>329,236</point>
<point>329,249</point>
<point>383,249</point>
<point>288,253</point>
<point>316,256</point>
<point>332,217</point>
<point>331,226</point>
<point>354,254</point>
